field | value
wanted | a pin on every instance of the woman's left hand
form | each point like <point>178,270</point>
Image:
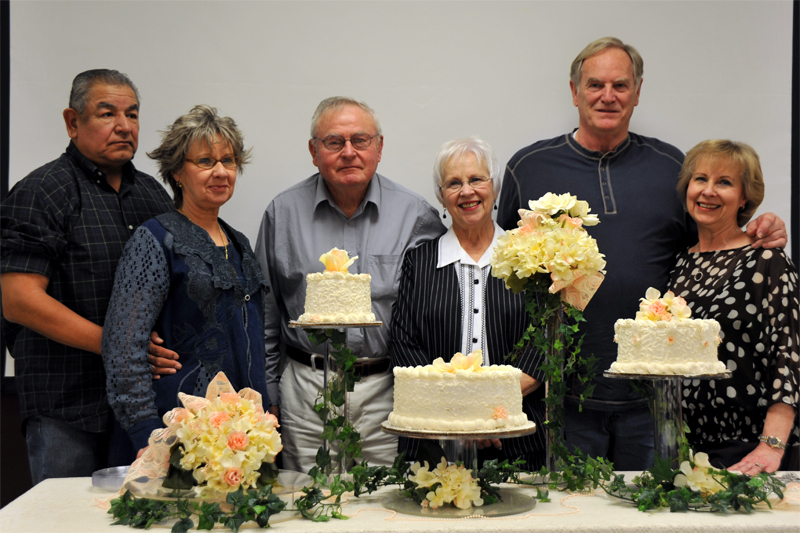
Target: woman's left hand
<point>763,459</point>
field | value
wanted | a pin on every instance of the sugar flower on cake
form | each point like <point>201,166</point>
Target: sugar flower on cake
<point>449,484</point>
<point>337,260</point>
<point>653,307</point>
<point>551,240</point>
<point>467,363</point>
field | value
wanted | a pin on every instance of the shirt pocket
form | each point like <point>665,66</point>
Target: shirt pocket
<point>384,270</point>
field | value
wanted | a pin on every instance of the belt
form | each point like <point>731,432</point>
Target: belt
<point>364,366</point>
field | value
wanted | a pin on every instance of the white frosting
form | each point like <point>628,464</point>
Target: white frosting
<point>337,297</point>
<point>682,347</point>
<point>427,399</point>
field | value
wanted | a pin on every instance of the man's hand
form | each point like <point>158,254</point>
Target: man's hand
<point>162,361</point>
<point>275,411</point>
<point>488,443</point>
<point>767,231</point>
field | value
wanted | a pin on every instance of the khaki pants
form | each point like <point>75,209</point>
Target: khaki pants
<point>367,408</point>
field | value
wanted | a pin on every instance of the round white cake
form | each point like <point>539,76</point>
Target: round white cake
<point>337,297</point>
<point>681,347</point>
<point>462,400</point>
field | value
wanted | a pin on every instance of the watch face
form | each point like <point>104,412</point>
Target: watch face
<point>773,441</point>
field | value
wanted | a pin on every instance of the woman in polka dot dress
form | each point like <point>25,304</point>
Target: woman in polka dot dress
<point>748,422</point>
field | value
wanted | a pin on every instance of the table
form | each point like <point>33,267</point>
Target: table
<point>70,506</point>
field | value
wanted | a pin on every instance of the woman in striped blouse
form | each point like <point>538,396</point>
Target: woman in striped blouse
<point>448,302</point>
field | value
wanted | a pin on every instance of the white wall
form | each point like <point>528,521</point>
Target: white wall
<point>432,70</point>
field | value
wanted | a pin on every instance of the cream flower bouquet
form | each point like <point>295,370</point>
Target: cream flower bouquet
<point>553,259</point>
<point>551,241</point>
<point>211,446</point>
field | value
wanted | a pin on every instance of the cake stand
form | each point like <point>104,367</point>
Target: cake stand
<point>462,446</point>
<point>667,408</point>
<point>326,356</point>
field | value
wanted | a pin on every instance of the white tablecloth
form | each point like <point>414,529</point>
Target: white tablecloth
<point>71,506</point>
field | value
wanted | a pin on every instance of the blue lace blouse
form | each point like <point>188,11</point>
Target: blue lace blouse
<point>173,279</point>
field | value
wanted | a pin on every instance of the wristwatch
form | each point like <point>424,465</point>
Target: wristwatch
<point>773,442</point>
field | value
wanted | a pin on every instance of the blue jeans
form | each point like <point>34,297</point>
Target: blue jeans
<point>626,438</point>
<point>56,449</point>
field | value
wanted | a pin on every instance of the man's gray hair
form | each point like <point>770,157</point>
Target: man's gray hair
<point>83,83</point>
<point>458,148</point>
<point>598,46</point>
<point>202,123</point>
<point>338,102</point>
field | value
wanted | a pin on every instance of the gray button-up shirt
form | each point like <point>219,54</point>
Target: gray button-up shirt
<point>303,222</point>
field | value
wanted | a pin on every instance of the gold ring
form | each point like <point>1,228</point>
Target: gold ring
<point>759,465</point>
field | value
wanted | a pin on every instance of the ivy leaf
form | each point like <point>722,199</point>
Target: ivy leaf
<point>177,478</point>
<point>662,471</point>
<point>183,525</point>
<point>268,474</point>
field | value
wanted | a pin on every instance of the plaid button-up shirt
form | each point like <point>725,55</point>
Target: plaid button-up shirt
<point>64,221</point>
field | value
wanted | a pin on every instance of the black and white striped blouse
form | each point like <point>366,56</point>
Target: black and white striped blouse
<point>429,317</point>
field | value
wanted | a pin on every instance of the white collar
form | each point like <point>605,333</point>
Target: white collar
<point>450,250</point>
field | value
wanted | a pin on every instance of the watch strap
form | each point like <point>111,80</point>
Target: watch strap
<point>773,442</point>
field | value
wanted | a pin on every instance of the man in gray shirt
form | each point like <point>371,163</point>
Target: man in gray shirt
<point>350,206</point>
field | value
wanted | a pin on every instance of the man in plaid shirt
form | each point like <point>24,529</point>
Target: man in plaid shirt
<point>64,227</point>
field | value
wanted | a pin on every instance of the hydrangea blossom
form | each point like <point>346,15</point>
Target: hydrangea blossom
<point>550,240</point>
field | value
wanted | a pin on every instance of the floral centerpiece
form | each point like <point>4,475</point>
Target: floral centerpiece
<point>552,257</point>
<point>220,448</point>
<point>228,444</point>
<point>446,484</point>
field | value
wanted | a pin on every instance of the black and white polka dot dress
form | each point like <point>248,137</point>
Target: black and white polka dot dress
<point>753,294</point>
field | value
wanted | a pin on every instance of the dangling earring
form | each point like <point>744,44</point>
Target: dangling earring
<point>444,213</point>
<point>180,185</point>
<point>495,205</point>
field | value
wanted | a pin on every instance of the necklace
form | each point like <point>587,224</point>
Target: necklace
<point>225,241</point>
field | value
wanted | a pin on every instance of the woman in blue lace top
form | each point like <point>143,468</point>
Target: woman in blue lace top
<point>189,276</point>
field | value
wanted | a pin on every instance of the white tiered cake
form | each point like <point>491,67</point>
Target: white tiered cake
<point>336,296</point>
<point>460,395</point>
<point>664,340</point>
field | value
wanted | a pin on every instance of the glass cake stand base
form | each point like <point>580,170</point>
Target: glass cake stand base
<point>667,408</point>
<point>513,502</point>
<point>461,446</point>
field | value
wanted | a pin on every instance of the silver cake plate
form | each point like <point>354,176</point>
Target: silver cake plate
<point>521,431</point>
<point>618,375</point>
<point>334,325</point>
<point>513,502</point>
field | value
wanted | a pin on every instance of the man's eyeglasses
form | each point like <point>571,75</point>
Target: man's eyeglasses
<point>334,143</point>
<point>207,163</point>
<point>454,186</point>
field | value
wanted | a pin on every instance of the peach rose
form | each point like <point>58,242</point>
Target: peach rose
<point>218,418</point>
<point>233,476</point>
<point>238,440</point>
<point>229,397</point>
